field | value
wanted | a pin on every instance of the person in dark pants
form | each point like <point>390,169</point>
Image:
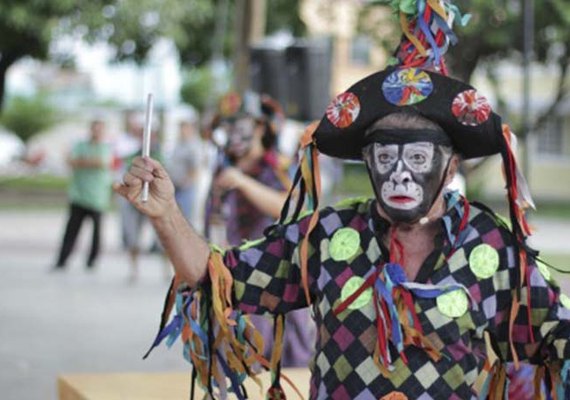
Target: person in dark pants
<point>89,191</point>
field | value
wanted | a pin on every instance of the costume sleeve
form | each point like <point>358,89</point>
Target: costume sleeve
<point>266,273</point>
<point>256,277</point>
<point>531,324</point>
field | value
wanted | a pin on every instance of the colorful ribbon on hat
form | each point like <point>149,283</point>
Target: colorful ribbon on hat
<point>427,28</point>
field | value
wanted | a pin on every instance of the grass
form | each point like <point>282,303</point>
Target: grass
<point>35,182</point>
<point>355,181</point>
<point>33,192</point>
<point>558,260</point>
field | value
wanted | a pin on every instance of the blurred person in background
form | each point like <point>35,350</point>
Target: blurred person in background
<point>89,191</point>
<point>127,147</point>
<point>183,166</point>
<point>248,192</point>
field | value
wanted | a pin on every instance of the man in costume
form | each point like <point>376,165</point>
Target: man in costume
<point>417,293</point>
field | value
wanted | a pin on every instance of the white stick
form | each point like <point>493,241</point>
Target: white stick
<point>146,141</point>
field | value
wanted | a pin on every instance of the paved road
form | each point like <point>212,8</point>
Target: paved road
<point>75,321</point>
<point>80,321</point>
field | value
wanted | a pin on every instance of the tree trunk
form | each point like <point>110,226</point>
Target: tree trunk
<point>463,61</point>
<point>6,60</point>
<point>3,70</point>
<point>250,27</point>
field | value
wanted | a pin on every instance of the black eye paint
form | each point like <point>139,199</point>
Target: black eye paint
<point>404,192</point>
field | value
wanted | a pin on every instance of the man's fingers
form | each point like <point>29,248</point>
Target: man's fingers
<point>121,189</point>
<point>154,167</point>
<point>149,165</point>
<point>132,180</point>
<point>141,173</point>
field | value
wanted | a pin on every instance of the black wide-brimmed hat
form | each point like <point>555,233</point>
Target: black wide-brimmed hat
<point>458,108</point>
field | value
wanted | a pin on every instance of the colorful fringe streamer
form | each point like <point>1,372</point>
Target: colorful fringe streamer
<point>427,28</point>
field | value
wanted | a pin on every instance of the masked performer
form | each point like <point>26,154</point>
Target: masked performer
<point>417,293</point>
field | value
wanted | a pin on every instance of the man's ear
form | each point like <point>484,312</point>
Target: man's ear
<point>452,170</point>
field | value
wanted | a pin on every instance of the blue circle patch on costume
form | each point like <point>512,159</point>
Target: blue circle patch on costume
<point>407,86</point>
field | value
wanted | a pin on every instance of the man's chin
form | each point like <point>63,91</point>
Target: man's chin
<point>402,216</point>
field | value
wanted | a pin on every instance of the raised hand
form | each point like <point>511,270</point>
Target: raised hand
<point>161,190</point>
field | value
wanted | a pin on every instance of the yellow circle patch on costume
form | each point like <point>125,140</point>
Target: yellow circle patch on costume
<point>565,301</point>
<point>484,261</point>
<point>351,286</point>
<point>543,269</point>
<point>344,244</point>
<point>453,304</point>
<point>394,396</point>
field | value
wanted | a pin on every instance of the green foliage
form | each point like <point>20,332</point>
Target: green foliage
<point>494,32</point>
<point>28,116</point>
<point>355,180</point>
<point>197,87</point>
<point>284,15</point>
<point>35,182</point>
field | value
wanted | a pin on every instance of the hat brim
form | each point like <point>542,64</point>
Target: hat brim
<point>474,129</point>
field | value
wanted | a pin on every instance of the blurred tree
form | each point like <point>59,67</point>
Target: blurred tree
<point>197,85</point>
<point>27,116</point>
<point>199,36</point>
<point>131,27</point>
<point>494,34</point>
<point>26,28</point>
<point>215,36</point>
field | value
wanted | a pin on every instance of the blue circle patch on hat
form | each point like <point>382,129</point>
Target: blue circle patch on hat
<point>408,86</point>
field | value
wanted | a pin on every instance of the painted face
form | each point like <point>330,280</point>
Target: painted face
<point>406,177</point>
<point>240,135</point>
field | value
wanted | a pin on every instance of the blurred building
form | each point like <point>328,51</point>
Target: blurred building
<point>549,146</point>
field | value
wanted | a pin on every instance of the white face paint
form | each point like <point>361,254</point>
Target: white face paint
<point>416,156</point>
<point>406,177</point>
<point>240,136</point>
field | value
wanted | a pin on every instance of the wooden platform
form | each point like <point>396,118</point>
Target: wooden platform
<point>159,386</point>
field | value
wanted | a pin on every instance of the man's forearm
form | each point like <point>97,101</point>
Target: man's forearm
<point>187,250</point>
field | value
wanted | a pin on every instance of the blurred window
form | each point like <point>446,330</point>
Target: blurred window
<point>551,138</point>
<point>360,50</point>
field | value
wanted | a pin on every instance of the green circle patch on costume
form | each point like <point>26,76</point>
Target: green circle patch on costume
<point>470,108</point>
<point>565,301</point>
<point>343,110</point>
<point>543,269</point>
<point>351,286</point>
<point>452,304</point>
<point>484,261</point>
<point>408,86</point>
<point>344,244</point>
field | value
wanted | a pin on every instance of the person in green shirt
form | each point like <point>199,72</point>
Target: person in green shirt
<point>89,191</point>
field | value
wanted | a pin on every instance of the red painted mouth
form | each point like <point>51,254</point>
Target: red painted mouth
<point>401,199</point>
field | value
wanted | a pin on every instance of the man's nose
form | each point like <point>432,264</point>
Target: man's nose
<point>399,176</point>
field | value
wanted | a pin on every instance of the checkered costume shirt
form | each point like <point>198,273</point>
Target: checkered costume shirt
<point>267,279</point>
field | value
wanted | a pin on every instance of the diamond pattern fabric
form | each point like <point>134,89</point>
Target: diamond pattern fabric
<point>267,278</point>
